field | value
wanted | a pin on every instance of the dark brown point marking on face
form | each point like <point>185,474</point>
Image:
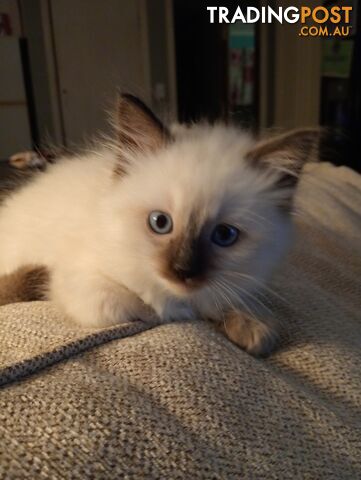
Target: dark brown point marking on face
<point>185,260</point>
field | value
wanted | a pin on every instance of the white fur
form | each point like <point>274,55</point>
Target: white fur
<point>90,229</point>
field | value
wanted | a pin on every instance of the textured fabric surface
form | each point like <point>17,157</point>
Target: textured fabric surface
<point>179,400</point>
<point>34,335</point>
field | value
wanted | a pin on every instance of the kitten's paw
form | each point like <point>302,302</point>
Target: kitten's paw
<point>255,337</point>
<point>26,284</point>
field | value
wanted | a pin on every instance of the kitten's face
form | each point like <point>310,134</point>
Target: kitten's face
<point>197,220</point>
<point>203,216</point>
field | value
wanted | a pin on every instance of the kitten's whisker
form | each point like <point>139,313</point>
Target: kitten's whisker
<point>217,304</point>
<point>256,280</point>
<point>259,282</point>
<point>254,298</point>
<point>218,290</point>
<point>228,299</point>
<point>245,291</point>
<point>280,320</point>
<point>223,294</point>
<point>236,275</point>
<point>215,292</point>
<point>239,298</point>
<point>244,303</point>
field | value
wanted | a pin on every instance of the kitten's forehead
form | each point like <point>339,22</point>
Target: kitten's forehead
<point>201,176</point>
<point>202,166</point>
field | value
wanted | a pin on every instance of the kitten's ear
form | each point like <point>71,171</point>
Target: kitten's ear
<point>137,127</point>
<point>286,153</point>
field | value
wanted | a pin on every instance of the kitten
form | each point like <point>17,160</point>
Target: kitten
<point>179,226</point>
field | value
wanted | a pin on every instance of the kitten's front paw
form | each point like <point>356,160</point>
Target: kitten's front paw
<point>252,335</point>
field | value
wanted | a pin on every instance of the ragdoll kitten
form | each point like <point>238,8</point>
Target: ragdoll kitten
<point>175,226</point>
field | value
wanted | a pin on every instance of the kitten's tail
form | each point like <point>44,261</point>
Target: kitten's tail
<point>25,284</point>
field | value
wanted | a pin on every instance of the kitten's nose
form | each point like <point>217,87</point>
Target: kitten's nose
<point>185,273</point>
<point>188,261</point>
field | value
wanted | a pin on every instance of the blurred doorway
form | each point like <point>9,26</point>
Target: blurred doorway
<point>216,65</point>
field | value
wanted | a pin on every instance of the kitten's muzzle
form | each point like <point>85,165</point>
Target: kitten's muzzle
<point>189,264</point>
<point>184,262</point>
<point>185,274</point>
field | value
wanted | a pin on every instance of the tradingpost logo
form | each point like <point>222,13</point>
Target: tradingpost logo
<point>314,21</point>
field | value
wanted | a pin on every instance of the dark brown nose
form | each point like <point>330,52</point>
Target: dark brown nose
<point>186,272</point>
<point>189,262</point>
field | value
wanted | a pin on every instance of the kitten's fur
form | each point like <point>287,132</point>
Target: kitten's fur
<point>86,220</point>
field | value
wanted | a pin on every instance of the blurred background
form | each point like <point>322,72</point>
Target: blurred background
<point>61,62</point>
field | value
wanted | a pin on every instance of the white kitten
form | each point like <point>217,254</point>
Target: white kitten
<point>178,226</point>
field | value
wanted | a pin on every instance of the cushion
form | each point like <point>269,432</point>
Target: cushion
<point>179,400</point>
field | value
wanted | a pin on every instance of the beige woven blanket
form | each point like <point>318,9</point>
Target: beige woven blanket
<point>180,401</point>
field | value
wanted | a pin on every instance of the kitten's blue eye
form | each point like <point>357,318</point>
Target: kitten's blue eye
<point>224,235</point>
<point>160,222</point>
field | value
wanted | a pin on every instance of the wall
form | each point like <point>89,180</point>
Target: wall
<point>99,47</point>
<point>35,33</point>
<point>290,75</point>
<point>81,53</point>
<point>15,133</point>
